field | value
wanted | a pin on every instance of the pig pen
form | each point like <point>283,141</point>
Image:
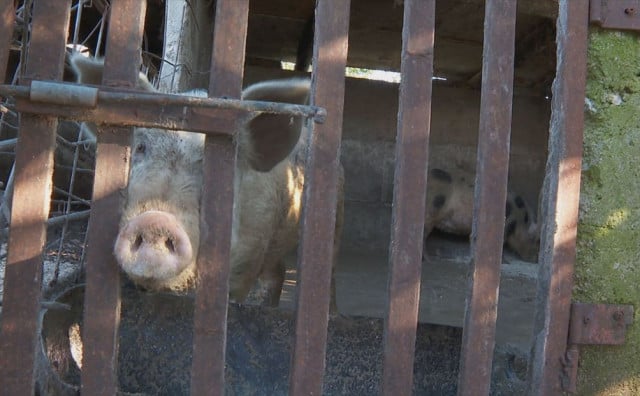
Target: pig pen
<point>155,332</point>
<point>368,158</point>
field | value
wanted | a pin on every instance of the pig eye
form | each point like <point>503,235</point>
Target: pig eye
<point>141,148</point>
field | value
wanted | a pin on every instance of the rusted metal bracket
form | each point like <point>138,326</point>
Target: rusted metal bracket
<point>615,14</point>
<point>593,324</point>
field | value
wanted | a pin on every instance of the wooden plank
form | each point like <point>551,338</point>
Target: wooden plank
<point>102,296</point>
<point>212,294</point>
<point>478,336</point>
<point>561,195</point>
<point>412,152</point>
<point>320,199</point>
<point>30,207</point>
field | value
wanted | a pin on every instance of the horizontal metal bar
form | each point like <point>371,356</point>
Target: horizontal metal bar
<point>106,95</point>
<point>63,94</point>
<point>142,115</point>
<point>53,221</point>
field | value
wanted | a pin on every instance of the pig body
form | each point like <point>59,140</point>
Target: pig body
<point>449,208</point>
<point>159,233</point>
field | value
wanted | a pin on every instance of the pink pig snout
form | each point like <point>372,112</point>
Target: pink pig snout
<point>153,246</point>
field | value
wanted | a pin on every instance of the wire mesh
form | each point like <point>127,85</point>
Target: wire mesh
<point>75,151</point>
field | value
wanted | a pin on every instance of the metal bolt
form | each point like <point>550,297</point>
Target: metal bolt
<point>630,11</point>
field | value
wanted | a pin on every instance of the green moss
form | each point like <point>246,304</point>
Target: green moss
<point>613,67</point>
<point>607,269</point>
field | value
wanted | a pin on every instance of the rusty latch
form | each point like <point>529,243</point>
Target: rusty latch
<point>615,14</point>
<point>593,324</point>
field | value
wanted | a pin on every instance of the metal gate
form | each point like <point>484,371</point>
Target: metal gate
<point>215,117</point>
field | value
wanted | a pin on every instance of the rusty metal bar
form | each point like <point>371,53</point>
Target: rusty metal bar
<point>492,167</point>
<point>7,19</point>
<point>102,297</point>
<point>561,193</point>
<point>212,293</point>
<point>143,115</point>
<point>412,143</point>
<point>180,106</point>
<point>30,207</point>
<point>320,199</point>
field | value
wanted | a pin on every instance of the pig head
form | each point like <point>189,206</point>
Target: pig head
<point>157,244</point>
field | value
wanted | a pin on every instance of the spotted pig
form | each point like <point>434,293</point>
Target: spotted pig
<point>449,208</point>
<point>159,234</point>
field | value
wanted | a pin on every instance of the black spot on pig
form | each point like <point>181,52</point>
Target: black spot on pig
<point>519,202</point>
<point>450,197</point>
<point>511,228</point>
<point>441,175</point>
<point>439,201</point>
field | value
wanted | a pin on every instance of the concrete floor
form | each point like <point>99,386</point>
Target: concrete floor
<point>361,281</point>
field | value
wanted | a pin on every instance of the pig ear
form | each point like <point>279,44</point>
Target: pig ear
<point>269,138</point>
<point>88,70</point>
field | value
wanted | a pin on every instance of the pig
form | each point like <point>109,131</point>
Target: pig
<point>449,208</point>
<point>159,234</point>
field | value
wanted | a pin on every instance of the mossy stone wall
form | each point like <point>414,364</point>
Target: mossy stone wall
<point>608,262</point>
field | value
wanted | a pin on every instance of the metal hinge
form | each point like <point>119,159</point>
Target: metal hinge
<point>615,14</point>
<point>593,324</point>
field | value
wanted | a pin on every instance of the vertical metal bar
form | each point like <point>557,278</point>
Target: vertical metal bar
<point>212,294</point>
<point>478,336</point>
<point>30,207</point>
<point>320,199</point>
<point>7,19</point>
<point>102,297</point>
<point>560,200</point>
<point>412,143</point>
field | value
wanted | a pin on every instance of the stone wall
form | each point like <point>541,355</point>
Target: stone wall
<point>608,260</point>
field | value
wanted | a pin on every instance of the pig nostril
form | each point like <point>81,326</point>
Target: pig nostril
<point>169,245</point>
<point>137,243</point>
